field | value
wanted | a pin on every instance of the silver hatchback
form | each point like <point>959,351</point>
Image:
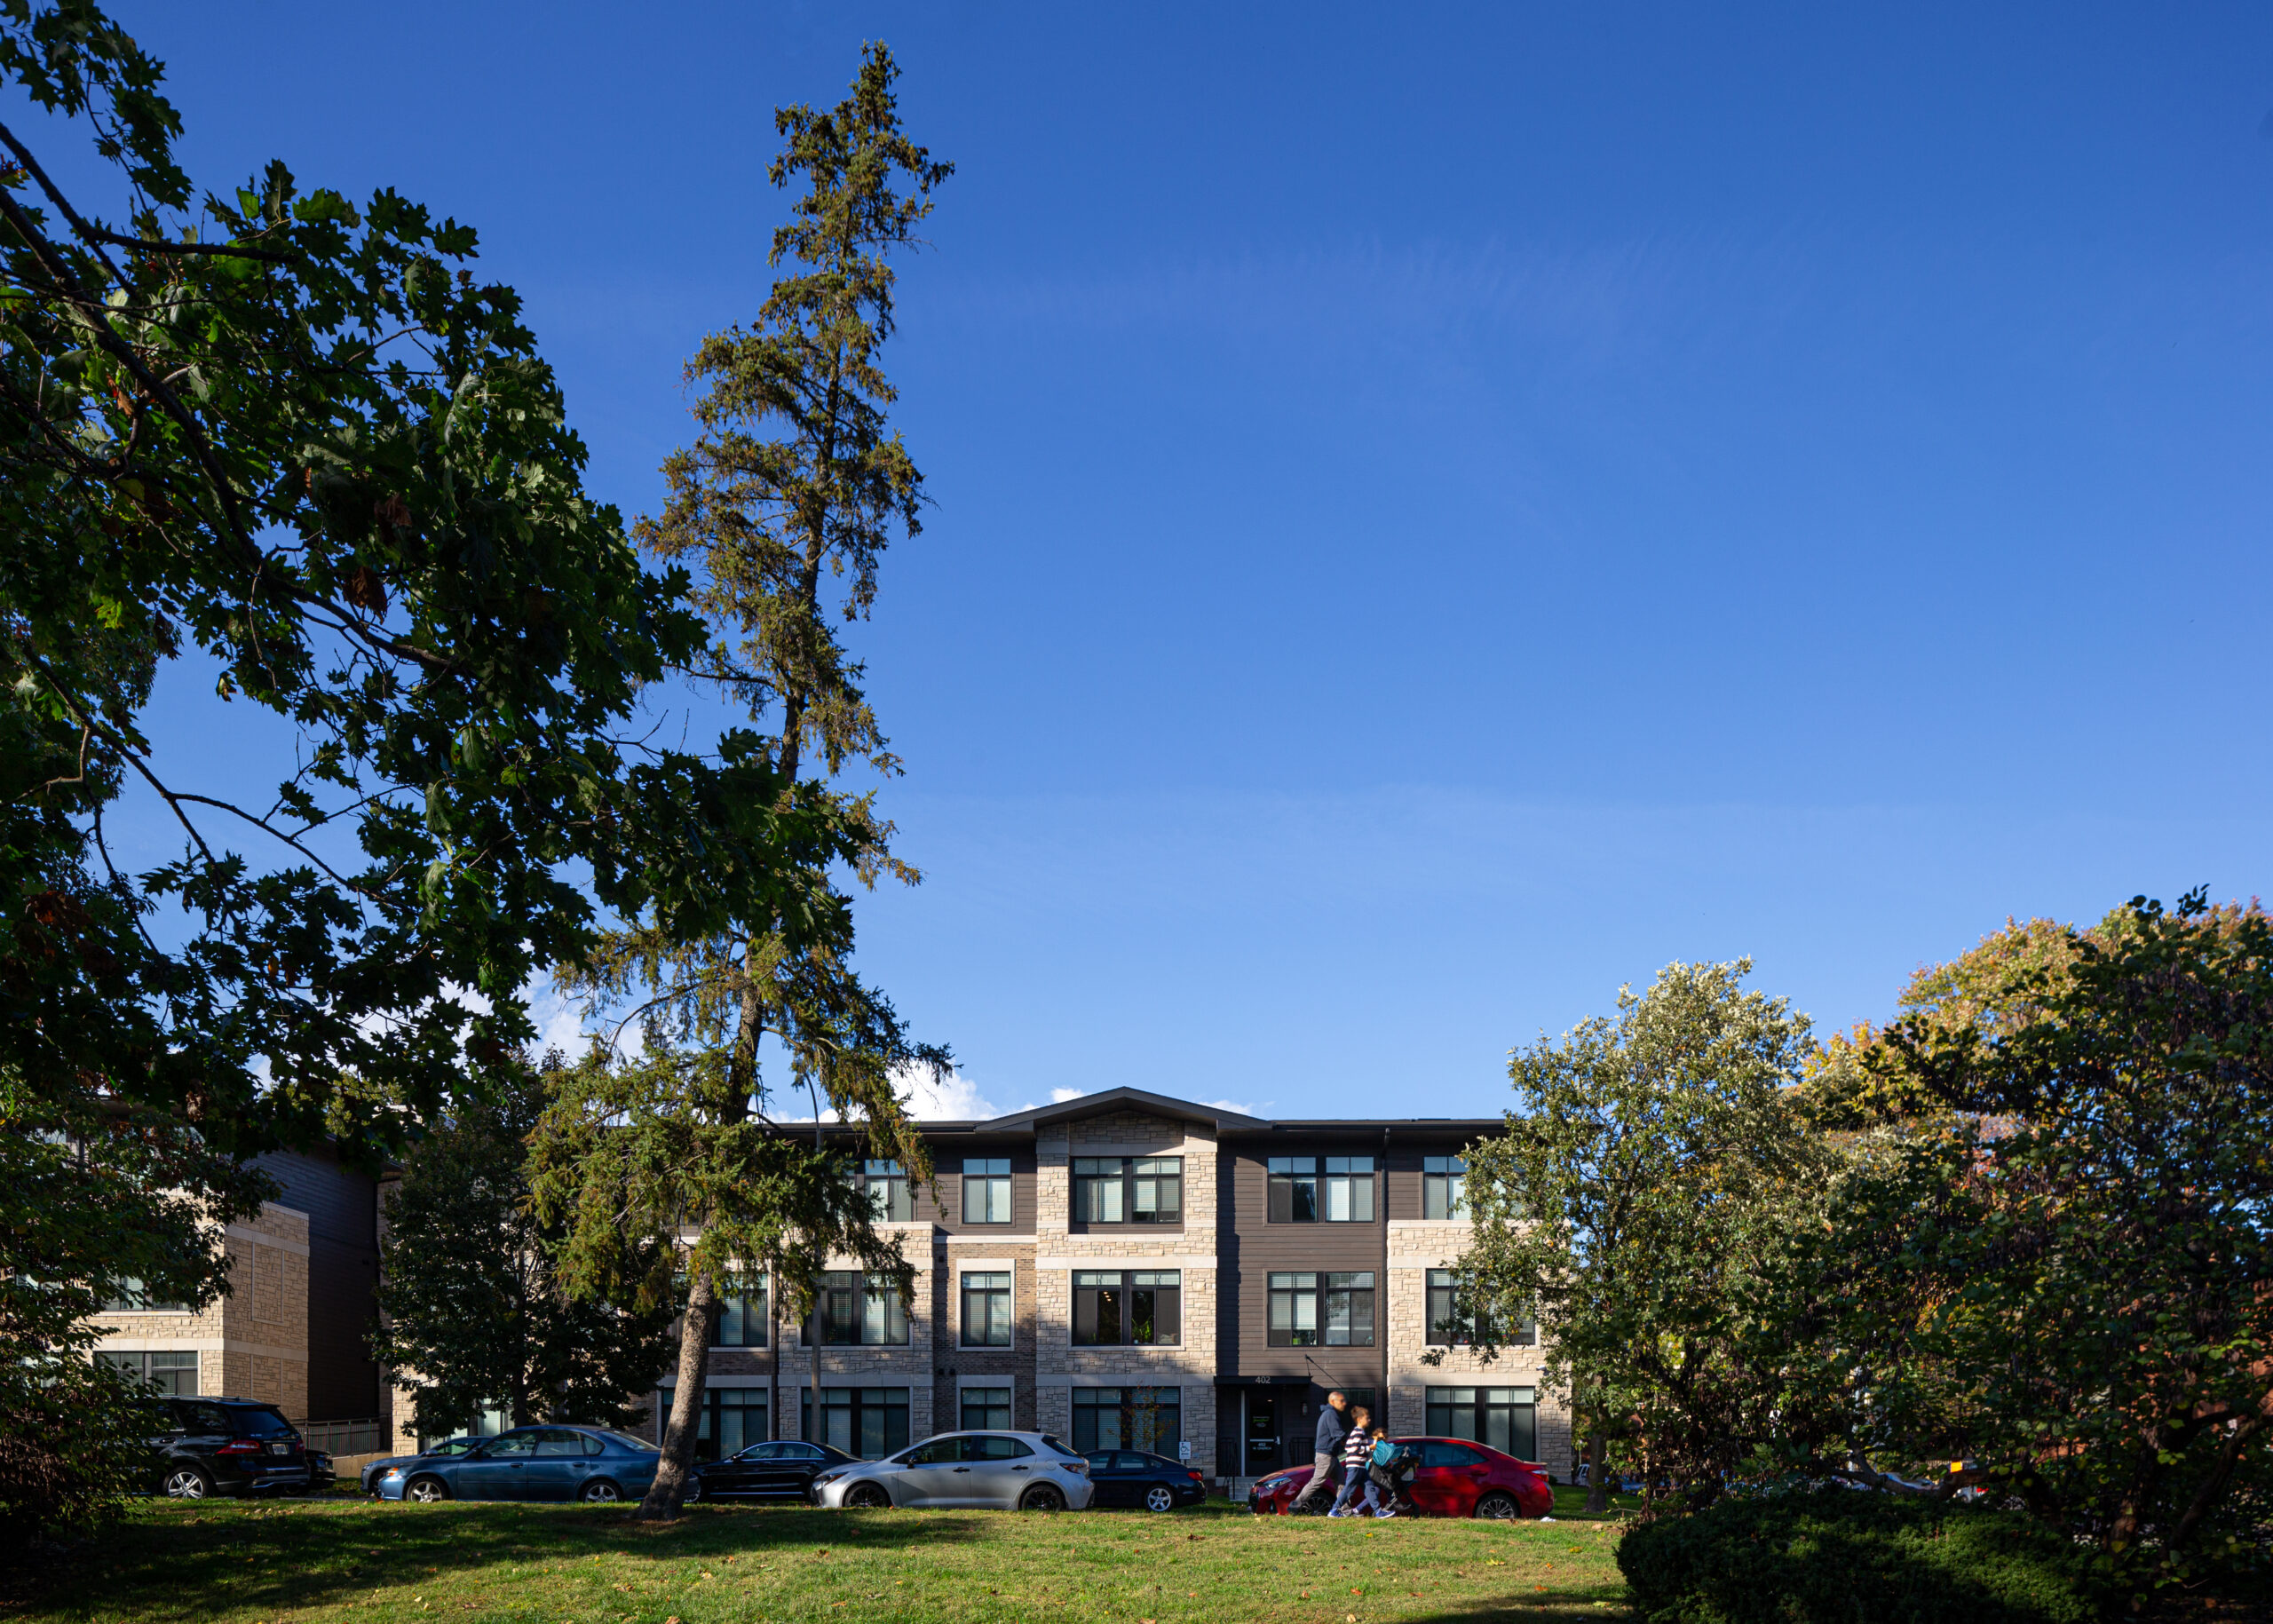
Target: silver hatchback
<point>1006,1472</point>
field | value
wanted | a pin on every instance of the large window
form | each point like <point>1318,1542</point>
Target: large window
<point>734,1418</point>
<point>985,1409</point>
<point>856,1311</point>
<point>1148,1418</point>
<point>1450,1328</point>
<point>1321,1190</point>
<point>1144,1306</point>
<point>169,1373</point>
<point>1128,1190</point>
<point>740,1313</point>
<point>1320,1311</point>
<point>1507,1418</point>
<point>133,1297</point>
<point>1444,1186</point>
<point>985,1309</point>
<point>886,1183</point>
<point>868,1422</point>
<point>987,1190</point>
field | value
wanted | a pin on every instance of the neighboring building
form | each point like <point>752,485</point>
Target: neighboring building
<point>1127,1269</point>
<point>291,1331</point>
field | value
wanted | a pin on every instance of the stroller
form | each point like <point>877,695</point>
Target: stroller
<point>1391,1470</point>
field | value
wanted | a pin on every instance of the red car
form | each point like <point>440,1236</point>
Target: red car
<point>1456,1478</point>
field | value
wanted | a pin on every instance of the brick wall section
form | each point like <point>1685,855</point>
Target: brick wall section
<point>1416,1247</point>
<point>910,1366</point>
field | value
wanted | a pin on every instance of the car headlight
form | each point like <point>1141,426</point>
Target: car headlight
<point>825,1478</point>
<point>395,1472</point>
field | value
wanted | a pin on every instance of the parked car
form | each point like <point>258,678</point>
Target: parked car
<point>1131,1477</point>
<point>1023,1472</point>
<point>320,1476</point>
<point>227,1446</point>
<point>587,1464</point>
<point>449,1449</point>
<point>1456,1478</point>
<point>784,1470</point>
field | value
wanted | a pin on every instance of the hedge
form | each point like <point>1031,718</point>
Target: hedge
<point>1844,1556</point>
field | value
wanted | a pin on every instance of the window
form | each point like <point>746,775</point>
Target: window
<point>984,1407</point>
<point>732,1419</point>
<point>168,1373</point>
<point>1099,1186</point>
<point>886,1183</point>
<point>859,1311</point>
<point>740,1313</point>
<point>1146,1418</point>
<point>1444,1186</point>
<point>133,1297</point>
<point>987,1190</point>
<point>1156,1190</point>
<point>1145,1307</point>
<point>1506,1418</point>
<point>986,1310</point>
<point>868,1422</point>
<point>1320,1311</point>
<point>1300,1194</point>
<point>1449,1328</point>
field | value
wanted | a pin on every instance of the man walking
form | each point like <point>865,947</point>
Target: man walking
<point>1325,1446</point>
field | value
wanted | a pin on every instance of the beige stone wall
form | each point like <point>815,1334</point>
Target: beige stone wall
<point>910,1366</point>
<point>1416,1247</point>
<point>253,1343</point>
<point>1061,1249</point>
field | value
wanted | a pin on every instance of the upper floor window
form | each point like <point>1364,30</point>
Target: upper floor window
<point>740,1312</point>
<point>985,1309</point>
<point>1128,1190</point>
<point>132,1297</point>
<point>886,1183</point>
<point>1301,1192</point>
<point>985,1189</point>
<point>857,1310</point>
<point>1448,1327</point>
<point>1444,1186</point>
<point>1143,1306</point>
<point>1320,1311</point>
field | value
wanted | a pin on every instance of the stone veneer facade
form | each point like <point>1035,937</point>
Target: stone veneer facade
<point>253,1343</point>
<point>1416,1247</point>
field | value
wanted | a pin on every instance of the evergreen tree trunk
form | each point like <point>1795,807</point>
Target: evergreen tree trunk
<point>1597,1491</point>
<point>669,1488</point>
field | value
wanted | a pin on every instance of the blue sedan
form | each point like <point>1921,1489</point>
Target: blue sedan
<point>587,1463</point>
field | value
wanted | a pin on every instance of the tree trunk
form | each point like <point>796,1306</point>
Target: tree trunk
<point>671,1472</point>
<point>1597,1491</point>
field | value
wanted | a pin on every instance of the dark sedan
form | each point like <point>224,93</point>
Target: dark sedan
<point>1131,1477</point>
<point>784,1470</point>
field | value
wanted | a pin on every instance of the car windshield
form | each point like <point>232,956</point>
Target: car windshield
<point>252,1420</point>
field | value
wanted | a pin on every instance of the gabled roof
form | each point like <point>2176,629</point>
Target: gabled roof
<point>1220,1119</point>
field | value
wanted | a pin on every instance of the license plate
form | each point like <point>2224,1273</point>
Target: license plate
<point>280,1449</point>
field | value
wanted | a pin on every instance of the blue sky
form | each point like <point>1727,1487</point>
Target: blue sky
<point>1441,511</point>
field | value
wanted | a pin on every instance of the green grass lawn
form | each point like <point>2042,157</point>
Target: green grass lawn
<point>363,1561</point>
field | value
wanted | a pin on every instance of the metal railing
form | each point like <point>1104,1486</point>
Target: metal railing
<point>344,1437</point>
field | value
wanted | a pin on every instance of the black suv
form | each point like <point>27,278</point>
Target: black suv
<point>228,1446</point>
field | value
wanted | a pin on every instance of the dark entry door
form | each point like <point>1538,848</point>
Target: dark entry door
<point>1263,1434</point>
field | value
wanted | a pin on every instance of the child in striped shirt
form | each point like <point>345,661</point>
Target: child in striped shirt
<point>1357,1450</point>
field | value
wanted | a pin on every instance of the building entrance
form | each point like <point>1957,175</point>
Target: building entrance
<point>1264,1440</point>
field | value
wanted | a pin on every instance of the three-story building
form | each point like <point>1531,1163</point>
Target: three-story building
<point>1126,1270</point>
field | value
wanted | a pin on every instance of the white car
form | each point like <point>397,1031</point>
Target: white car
<point>1006,1471</point>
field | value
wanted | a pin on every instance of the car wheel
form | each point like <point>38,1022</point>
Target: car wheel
<point>1042,1497</point>
<point>1159,1497</point>
<point>426,1490</point>
<point>867,1497</point>
<point>600,1492</point>
<point>1498,1506</point>
<point>187,1482</point>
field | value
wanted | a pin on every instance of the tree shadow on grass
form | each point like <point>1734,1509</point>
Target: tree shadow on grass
<point>173,1562</point>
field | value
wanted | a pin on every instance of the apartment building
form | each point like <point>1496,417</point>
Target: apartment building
<point>1129,1270</point>
<point>303,1276</point>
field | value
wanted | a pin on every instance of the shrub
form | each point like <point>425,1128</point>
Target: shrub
<point>1841,1557</point>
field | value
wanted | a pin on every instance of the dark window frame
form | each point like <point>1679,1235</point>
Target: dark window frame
<point>710,1420</point>
<point>843,1297</point>
<point>1303,1189</point>
<point>1111,1306</point>
<point>1005,1292</point>
<point>737,1320</point>
<point>1444,1187</point>
<point>165,1378</point>
<point>1291,1296</point>
<point>1492,1416</point>
<point>1115,1191</point>
<point>971,1417</point>
<point>992,1182</point>
<point>879,1176</point>
<point>1159,1412</point>
<point>861,1403</point>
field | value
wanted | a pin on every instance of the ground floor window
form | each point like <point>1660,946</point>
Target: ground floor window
<point>868,1422</point>
<point>169,1373</point>
<point>1149,1418</point>
<point>985,1409</point>
<point>1504,1417</point>
<point>734,1418</point>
